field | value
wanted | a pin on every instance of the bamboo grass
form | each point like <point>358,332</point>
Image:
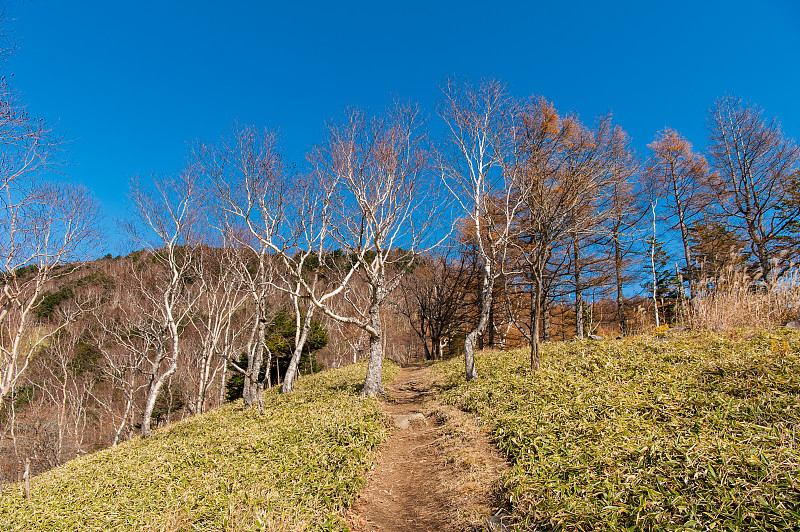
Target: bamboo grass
<point>294,468</point>
<point>695,432</point>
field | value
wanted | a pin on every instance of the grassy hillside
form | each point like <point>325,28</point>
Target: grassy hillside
<point>698,432</point>
<point>293,468</point>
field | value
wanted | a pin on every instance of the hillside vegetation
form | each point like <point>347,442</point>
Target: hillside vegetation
<point>293,468</point>
<point>695,432</point>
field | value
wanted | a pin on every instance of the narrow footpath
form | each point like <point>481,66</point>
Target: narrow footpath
<point>435,472</point>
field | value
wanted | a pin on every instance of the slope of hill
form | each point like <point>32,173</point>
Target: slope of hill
<point>695,432</point>
<point>295,467</point>
<point>688,432</point>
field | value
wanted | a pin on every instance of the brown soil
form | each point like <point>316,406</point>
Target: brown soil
<point>435,472</point>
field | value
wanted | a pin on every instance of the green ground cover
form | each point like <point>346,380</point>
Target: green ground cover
<point>293,468</point>
<point>696,432</point>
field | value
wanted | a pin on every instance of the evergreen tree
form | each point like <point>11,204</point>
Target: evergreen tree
<point>280,338</point>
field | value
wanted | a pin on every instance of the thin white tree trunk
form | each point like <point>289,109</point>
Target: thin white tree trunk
<point>472,338</point>
<point>653,264</point>
<point>291,371</point>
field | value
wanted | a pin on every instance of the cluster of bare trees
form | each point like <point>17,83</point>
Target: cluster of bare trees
<point>556,208</point>
<point>226,245</point>
<point>44,225</point>
<point>549,212</point>
<point>543,195</point>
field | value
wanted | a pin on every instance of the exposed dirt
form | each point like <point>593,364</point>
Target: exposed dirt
<point>435,472</point>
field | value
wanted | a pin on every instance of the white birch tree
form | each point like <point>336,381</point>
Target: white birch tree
<point>478,121</point>
<point>166,218</point>
<point>378,190</point>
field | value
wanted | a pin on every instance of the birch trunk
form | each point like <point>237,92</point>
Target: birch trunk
<point>653,264</point>
<point>291,371</point>
<point>153,392</point>
<point>578,292</point>
<point>472,337</point>
<point>373,384</point>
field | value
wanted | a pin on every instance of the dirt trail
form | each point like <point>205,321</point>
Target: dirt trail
<point>436,470</point>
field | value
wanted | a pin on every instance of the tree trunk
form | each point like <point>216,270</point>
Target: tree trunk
<point>152,394</point>
<point>490,325</point>
<point>546,319</point>
<point>469,355</point>
<point>26,478</point>
<point>618,278</point>
<point>653,264</point>
<point>205,380</point>
<point>128,407</point>
<point>268,365</point>
<point>291,371</point>
<point>536,308</point>
<point>247,394</point>
<point>766,267</point>
<point>422,333</point>
<point>373,384</point>
<point>472,338</point>
<point>687,254</point>
<point>578,291</point>
<point>222,384</point>
<point>252,385</point>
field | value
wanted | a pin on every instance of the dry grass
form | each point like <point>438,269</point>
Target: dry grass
<point>473,466</point>
<point>733,300</point>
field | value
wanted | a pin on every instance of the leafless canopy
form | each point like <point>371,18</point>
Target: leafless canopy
<point>479,121</point>
<point>379,195</point>
<point>42,226</point>
<point>755,165</point>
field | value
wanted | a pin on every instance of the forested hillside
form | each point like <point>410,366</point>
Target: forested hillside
<point>496,221</point>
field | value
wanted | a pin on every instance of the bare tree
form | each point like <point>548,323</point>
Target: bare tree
<point>215,325</point>
<point>374,172</point>
<point>282,221</point>
<point>116,333</point>
<point>434,298</point>
<point>624,211</point>
<point>306,267</point>
<point>252,189</point>
<point>42,226</point>
<point>653,241</point>
<point>166,221</point>
<point>65,391</point>
<point>754,165</point>
<point>520,281</point>
<point>679,176</point>
<point>478,120</point>
<point>557,171</point>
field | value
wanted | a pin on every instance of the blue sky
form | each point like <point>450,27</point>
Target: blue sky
<point>132,84</point>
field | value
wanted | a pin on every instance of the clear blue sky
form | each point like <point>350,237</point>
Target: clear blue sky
<point>133,83</point>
